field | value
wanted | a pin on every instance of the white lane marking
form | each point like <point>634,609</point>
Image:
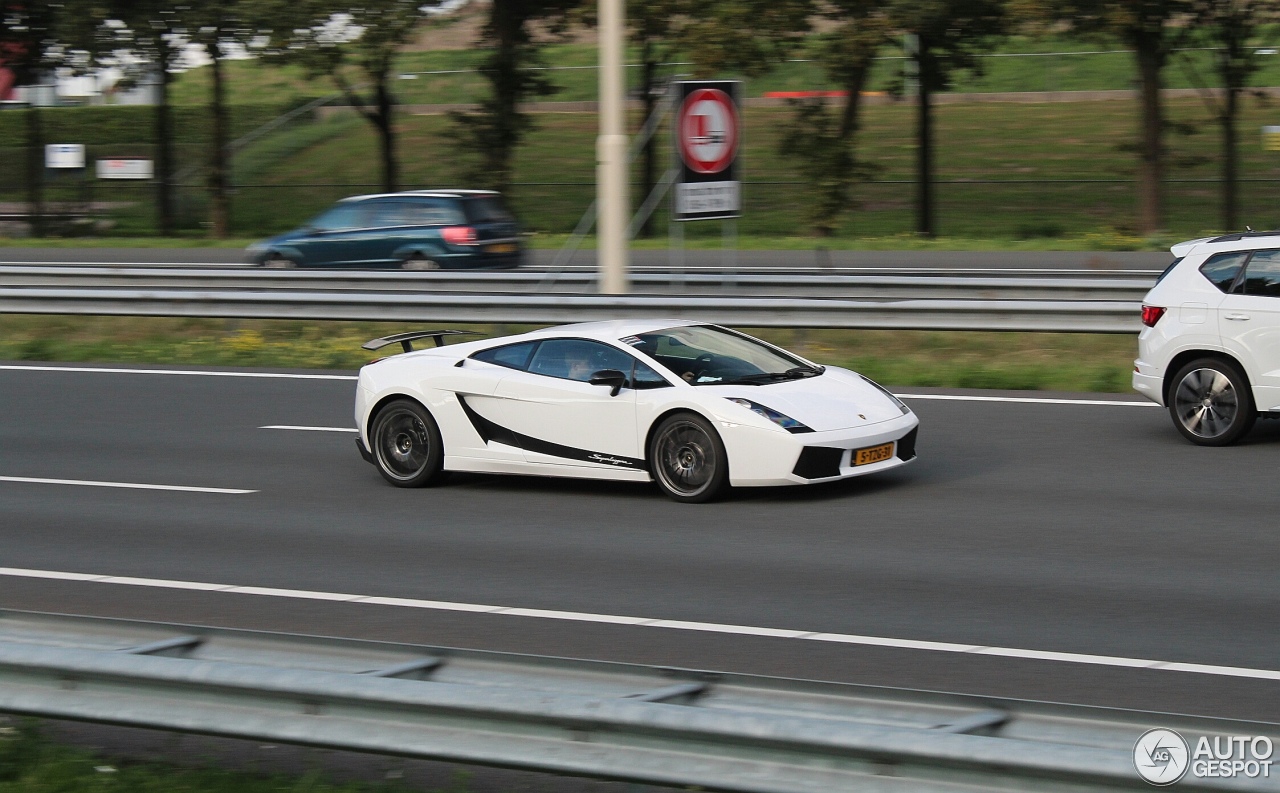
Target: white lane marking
<point>1030,400</point>
<point>125,485</point>
<point>187,372</point>
<point>703,627</point>
<point>308,429</point>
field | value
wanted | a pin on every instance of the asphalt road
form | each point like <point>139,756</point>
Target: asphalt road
<point>1086,261</point>
<point>1074,528</point>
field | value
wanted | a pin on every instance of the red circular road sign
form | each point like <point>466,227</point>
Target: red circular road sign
<point>708,130</point>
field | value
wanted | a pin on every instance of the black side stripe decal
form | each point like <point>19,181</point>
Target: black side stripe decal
<point>491,431</point>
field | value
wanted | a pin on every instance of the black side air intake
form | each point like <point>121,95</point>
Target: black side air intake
<point>818,462</point>
<point>907,445</point>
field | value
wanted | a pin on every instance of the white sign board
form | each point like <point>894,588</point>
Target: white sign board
<point>1271,138</point>
<point>64,155</point>
<point>125,169</point>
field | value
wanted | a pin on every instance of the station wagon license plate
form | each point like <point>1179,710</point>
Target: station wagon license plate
<point>505,247</point>
<point>872,454</point>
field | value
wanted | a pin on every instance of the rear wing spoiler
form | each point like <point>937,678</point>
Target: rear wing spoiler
<point>406,340</point>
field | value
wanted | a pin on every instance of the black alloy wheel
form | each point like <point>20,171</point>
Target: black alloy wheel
<point>688,459</point>
<point>1211,403</point>
<point>406,445</point>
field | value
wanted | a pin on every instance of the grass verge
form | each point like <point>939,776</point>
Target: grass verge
<point>30,763</point>
<point>1032,361</point>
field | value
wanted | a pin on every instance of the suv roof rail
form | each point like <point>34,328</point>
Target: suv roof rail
<point>1240,235</point>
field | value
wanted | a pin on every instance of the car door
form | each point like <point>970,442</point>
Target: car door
<point>482,434</point>
<point>334,238</point>
<point>1249,323</point>
<point>560,419</point>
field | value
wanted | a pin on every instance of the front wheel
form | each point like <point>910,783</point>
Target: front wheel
<point>1210,403</point>
<point>406,445</point>
<point>688,459</point>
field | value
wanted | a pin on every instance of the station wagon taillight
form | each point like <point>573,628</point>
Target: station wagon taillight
<point>459,235</point>
<point>1151,315</point>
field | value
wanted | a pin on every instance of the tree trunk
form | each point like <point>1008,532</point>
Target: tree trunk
<point>924,144</point>
<point>506,24</point>
<point>1230,185</point>
<point>35,169</point>
<point>384,119</point>
<point>164,148</point>
<point>849,119</point>
<point>1151,57</point>
<point>648,174</point>
<point>220,205</point>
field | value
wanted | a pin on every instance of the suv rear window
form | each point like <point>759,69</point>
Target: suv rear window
<point>489,209</point>
<point>1221,269</point>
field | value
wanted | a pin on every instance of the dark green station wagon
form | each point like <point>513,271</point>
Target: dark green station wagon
<point>413,230</point>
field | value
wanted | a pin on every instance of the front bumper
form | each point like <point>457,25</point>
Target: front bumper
<point>761,458</point>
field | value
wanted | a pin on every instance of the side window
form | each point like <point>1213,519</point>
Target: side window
<point>512,356</point>
<point>434,212</point>
<point>1263,274</point>
<point>646,377</point>
<point>1221,269</point>
<point>577,359</point>
<point>343,216</point>
<point>387,214</point>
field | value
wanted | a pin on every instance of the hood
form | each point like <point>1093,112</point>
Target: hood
<point>835,400</point>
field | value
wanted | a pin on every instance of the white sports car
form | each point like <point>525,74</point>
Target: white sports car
<point>694,407</point>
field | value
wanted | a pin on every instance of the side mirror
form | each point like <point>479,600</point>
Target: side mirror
<point>609,377</point>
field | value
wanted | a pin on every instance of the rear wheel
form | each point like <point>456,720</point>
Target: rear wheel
<point>1210,403</point>
<point>419,262</point>
<point>688,459</point>
<point>406,445</point>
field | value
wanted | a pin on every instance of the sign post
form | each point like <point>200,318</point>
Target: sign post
<point>708,134</point>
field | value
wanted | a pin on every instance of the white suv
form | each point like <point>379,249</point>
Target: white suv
<point>1210,351</point>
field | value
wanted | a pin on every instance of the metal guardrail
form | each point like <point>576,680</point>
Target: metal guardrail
<point>677,727</point>
<point>787,298</point>
<point>452,307</point>
<point>877,285</point>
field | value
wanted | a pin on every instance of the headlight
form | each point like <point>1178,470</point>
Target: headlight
<point>901,405</point>
<point>782,420</point>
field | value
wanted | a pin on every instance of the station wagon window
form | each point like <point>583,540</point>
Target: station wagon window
<point>577,359</point>
<point>434,212</point>
<point>512,356</point>
<point>387,214</point>
<point>1221,269</point>
<point>488,209</point>
<point>1262,276</point>
<point>351,215</point>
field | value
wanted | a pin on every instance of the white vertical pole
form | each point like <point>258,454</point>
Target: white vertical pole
<point>612,191</point>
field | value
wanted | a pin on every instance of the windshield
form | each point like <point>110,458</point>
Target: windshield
<point>707,355</point>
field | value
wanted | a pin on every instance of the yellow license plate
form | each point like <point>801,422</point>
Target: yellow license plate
<point>506,247</point>
<point>872,454</point>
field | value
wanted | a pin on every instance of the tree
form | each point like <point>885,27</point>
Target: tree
<point>492,133</point>
<point>1146,27</point>
<point>947,36</point>
<point>653,25</point>
<point>1230,27</point>
<point>154,32</point>
<point>339,37</point>
<point>29,31</point>
<point>220,28</point>
<point>823,145</point>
